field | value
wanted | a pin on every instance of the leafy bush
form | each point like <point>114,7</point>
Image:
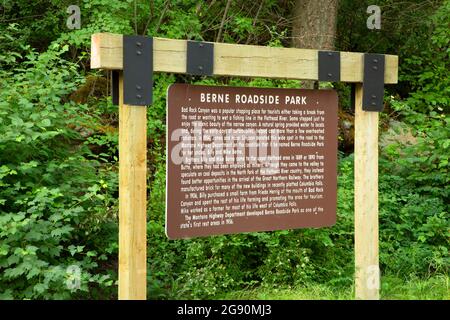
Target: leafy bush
<point>52,200</point>
<point>427,70</point>
<point>415,195</point>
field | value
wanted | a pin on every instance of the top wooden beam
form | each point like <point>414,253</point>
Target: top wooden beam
<point>237,60</point>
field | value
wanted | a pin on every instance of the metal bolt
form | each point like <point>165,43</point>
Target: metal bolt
<point>375,60</point>
<point>138,87</point>
<point>374,103</point>
<point>138,96</point>
<point>139,52</point>
<point>330,54</point>
<point>375,68</point>
<point>374,96</point>
<point>200,68</point>
<point>330,75</point>
<point>200,45</point>
<point>139,44</point>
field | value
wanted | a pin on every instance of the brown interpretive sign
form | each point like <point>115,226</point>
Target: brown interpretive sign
<point>249,159</point>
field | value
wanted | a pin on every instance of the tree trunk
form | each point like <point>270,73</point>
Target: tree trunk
<point>314,26</point>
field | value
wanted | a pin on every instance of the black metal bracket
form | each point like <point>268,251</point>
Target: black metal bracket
<point>330,66</point>
<point>200,58</point>
<point>352,96</point>
<point>137,70</point>
<point>373,82</point>
<point>115,87</point>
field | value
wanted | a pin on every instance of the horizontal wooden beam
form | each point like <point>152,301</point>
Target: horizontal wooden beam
<point>237,60</point>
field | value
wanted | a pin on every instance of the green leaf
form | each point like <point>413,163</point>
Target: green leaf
<point>46,123</point>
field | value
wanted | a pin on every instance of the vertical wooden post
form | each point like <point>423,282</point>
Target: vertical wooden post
<point>132,200</point>
<point>367,274</point>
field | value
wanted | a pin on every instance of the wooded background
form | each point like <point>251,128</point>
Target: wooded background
<point>59,157</point>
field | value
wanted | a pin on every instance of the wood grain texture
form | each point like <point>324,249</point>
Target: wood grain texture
<point>237,60</point>
<point>132,200</point>
<point>367,275</point>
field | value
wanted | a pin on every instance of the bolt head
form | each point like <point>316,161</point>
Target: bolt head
<point>138,96</point>
<point>139,52</point>
<point>374,96</point>
<point>139,44</point>
<point>200,45</point>
<point>200,67</point>
<point>375,68</point>
<point>138,87</point>
<point>330,75</point>
<point>375,60</point>
<point>330,54</point>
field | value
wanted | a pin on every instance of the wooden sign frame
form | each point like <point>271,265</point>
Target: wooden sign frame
<point>243,61</point>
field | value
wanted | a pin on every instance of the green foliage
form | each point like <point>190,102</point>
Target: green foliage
<point>40,21</point>
<point>98,16</point>
<point>424,163</point>
<point>415,30</point>
<point>414,190</point>
<point>427,70</point>
<point>58,159</point>
<point>12,45</point>
<point>52,203</point>
<point>392,288</point>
